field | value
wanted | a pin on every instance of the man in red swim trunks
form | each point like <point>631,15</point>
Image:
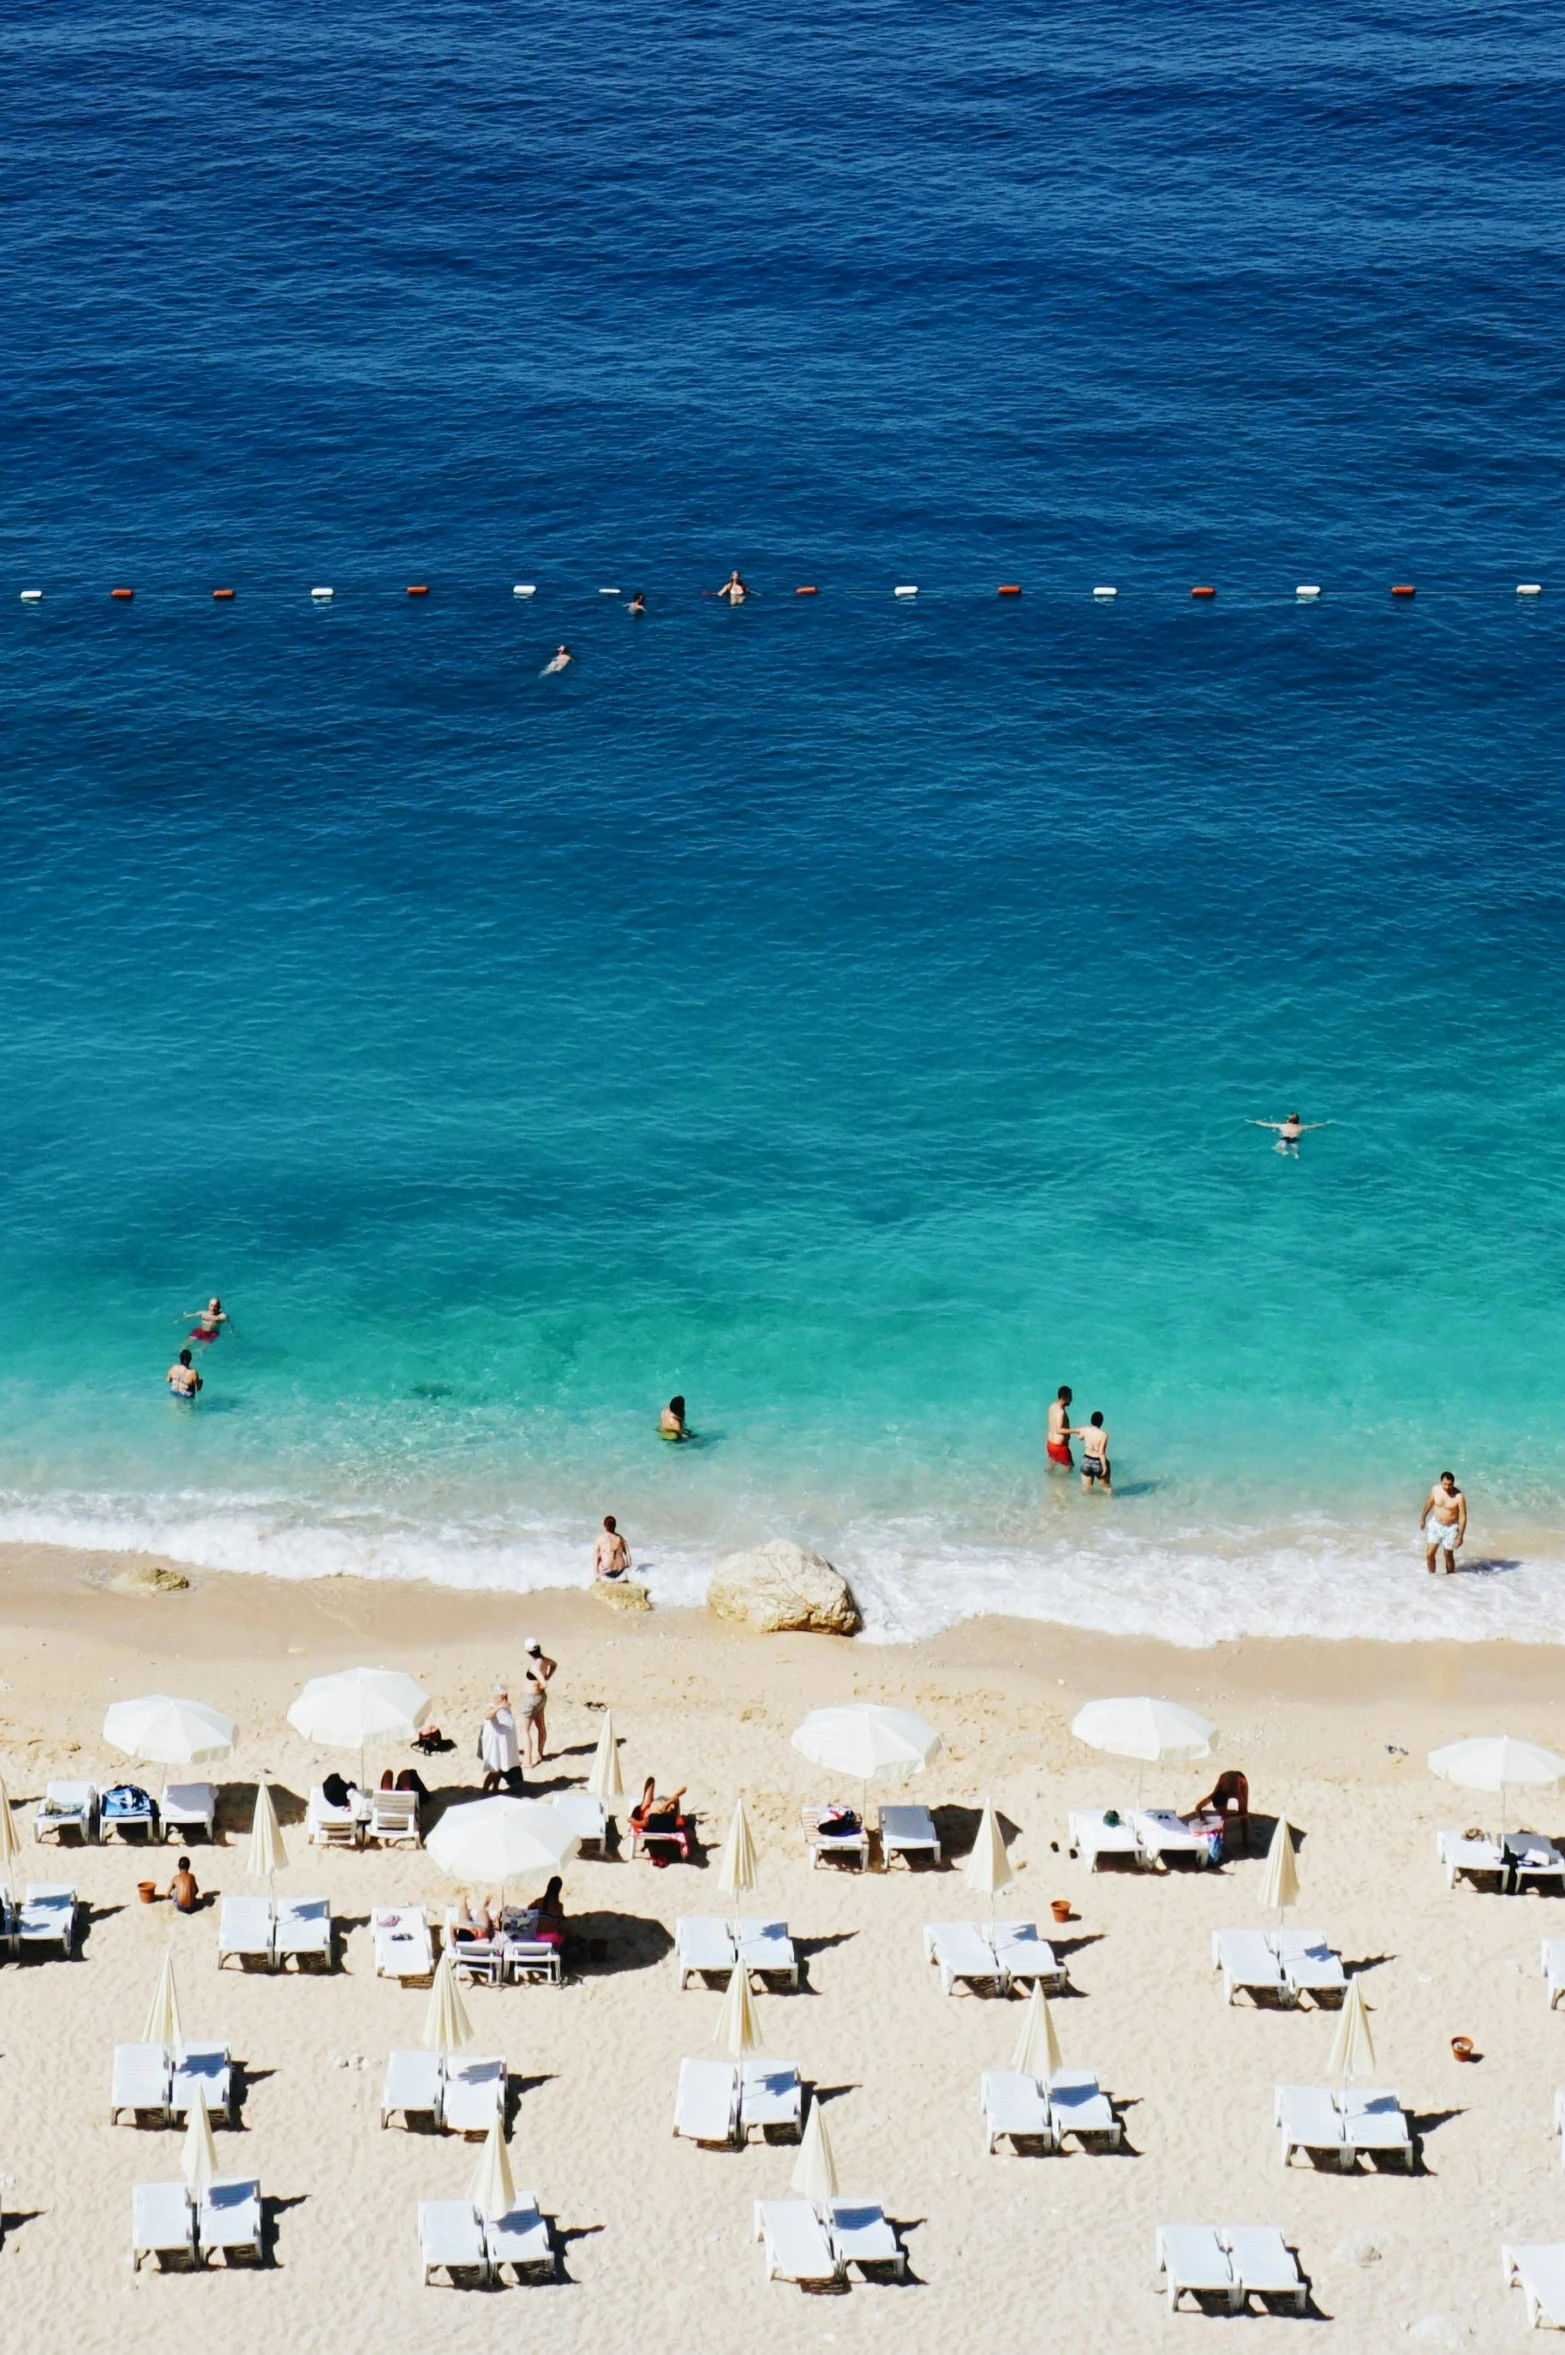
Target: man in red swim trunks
<point>1057,1446</point>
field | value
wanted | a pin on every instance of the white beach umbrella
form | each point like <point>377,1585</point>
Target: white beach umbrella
<point>357,1706</point>
<point>1156,1732</point>
<point>988,1868</point>
<point>1497,1762</point>
<point>198,2153</point>
<point>447,2027</point>
<point>1037,2051</point>
<point>499,1840</point>
<point>167,1731</point>
<point>10,1846</point>
<point>1352,2047</point>
<point>814,2175</point>
<point>861,1739</point>
<point>739,2022</point>
<point>604,1780</point>
<point>738,1867</point>
<point>163,2024</point>
<point>266,1854</point>
<point>1280,1880</point>
<point>492,2191</point>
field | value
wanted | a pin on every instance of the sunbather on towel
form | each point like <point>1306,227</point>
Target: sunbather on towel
<point>655,1815</point>
<point>472,1921</point>
<point>336,1792</point>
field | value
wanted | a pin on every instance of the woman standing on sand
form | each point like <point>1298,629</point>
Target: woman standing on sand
<point>539,1670</point>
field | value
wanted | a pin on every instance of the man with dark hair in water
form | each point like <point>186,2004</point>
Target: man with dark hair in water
<point>1057,1445</point>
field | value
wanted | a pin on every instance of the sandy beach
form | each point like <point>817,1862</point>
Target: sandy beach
<point>656,2234</point>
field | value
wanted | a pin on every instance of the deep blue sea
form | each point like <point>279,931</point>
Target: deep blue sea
<point>846,1010</point>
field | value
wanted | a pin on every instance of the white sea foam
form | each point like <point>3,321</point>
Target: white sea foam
<point>1194,1587</point>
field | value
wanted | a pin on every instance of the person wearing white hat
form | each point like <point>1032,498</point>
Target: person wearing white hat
<point>538,1672</point>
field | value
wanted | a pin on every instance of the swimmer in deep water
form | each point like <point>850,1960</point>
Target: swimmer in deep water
<point>209,1320</point>
<point>1289,1131</point>
<point>733,589</point>
<point>671,1422</point>
<point>183,1380</point>
<point>559,659</point>
<point>638,604</point>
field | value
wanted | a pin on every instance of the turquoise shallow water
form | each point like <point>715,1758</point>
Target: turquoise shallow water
<point>846,1012</point>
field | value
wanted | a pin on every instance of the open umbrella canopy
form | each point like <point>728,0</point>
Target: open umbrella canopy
<point>163,2026</point>
<point>988,1868</point>
<point>861,1739</point>
<point>491,2190</point>
<point>814,2175</point>
<point>266,1854</point>
<point>1037,2051</point>
<point>499,1840</point>
<point>198,2153</point>
<point>1497,1762</point>
<point>167,1731</point>
<point>357,1706</point>
<point>447,2027</point>
<point>739,2022</point>
<point>1153,1731</point>
<point>1280,1880</point>
<point>603,1781</point>
<point>738,1867</point>
<point>1352,2047</point>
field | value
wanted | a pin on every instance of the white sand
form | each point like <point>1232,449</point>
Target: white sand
<point>1008,2252</point>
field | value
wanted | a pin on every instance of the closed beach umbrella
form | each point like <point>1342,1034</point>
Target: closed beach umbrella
<point>492,2191</point>
<point>737,1867</point>
<point>500,1840</point>
<point>1497,1762</point>
<point>1352,2047</point>
<point>198,2153</point>
<point>10,1846</point>
<point>1156,1732</point>
<point>447,2027</point>
<point>266,1854</point>
<point>1037,2051</point>
<point>163,2017</point>
<point>167,1731</point>
<point>1280,1880</point>
<point>604,1782</point>
<point>861,1739</point>
<point>988,1868</point>
<point>739,2022</point>
<point>814,2175</point>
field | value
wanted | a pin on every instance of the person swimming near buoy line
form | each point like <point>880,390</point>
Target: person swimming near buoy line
<point>638,604</point>
<point>561,657</point>
<point>209,1320</point>
<point>183,1380</point>
<point>733,589</point>
<point>671,1422</point>
<point>1289,1131</point>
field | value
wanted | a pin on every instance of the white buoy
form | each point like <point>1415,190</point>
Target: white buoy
<point>906,589</point>
<point>1308,590</point>
<point>1523,589</point>
<point>608,592</point>
<point>32,596</point>
<point>321,596</point>
<point>525,589</point>
<point>1105,592</point>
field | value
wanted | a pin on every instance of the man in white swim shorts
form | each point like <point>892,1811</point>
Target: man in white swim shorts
<point>1443,1522</point>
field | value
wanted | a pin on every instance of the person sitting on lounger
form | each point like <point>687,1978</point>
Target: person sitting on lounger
<point>336,1792</point>
<point>470,1921</point>
<point>660,1817</point>
<point>1229,1795</point>
<point>548,1912</point>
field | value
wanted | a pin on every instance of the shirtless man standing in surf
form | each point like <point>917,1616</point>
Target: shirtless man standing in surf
<point>1057,1444</point>
<point>1443,1522</point>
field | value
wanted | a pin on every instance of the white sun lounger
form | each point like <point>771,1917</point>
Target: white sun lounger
<point>1308,1964</point>
<point>393,1820</point>
<point>1554,1969</point>
<point>706,2101</point>
<point>703,1947</point>
<point>834,1847</point>
<point>403,1947</point>
<point>1014,2107</point>
<point>907,1832</point>
<point>770,2097</point>
<point>1373,2120</point>
<point>162,2223</point>
<point>203,2075</point>
<point>861,2235</point>
<point>767,1949</point>
<point>1533,1858</point>
<point>1537,2269</point>
<point>1026,1958</point>
<point>521,2240</point>
<point>67,1807</point>
<point>962,1952</point>
<point>450,2240</point>
<point>412,2087</point>
<point>46,1917</point>
<point>304,1931</point>
<point>188,1807</point>
<point>1263,2264</point>
<point>1309,2120</point>
<point>1193,2262</point>
<point>588,1818</point>
<point>797,2246</point>
<point>244,1931</point>
<point>1077,2105</point>
<point>332,1827</point>
<point>1248,1964</point>
<point>140,2083</point>
<point>1474,1859</point>
<point>473,2093</point>
<point>229,2219</point>
<point>1093,1837</point>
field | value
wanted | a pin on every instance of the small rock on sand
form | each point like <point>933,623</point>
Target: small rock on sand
<point>622,1594</point>
<point>783,1585</point>
<point>147,1579</point>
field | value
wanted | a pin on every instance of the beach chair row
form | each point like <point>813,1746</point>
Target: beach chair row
<point>274,1931</point>
<point>183,1810</point>
<point>446,2093</point>
<point>1511,1862</point>
<point>155,2086</point>
<point>471,2249</point>
<point>815,2246</point>
<point>723,2103</point>
<point>173,2227</point>
<point>1232,2262</point>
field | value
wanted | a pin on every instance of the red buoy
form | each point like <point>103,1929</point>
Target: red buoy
<point>1403,589</point>
<point>222,594</point>
<point>1203,589</point>
<point>122,592</point>
<point>1010,589</point>
<point>809,590</point>
<point>419,589</point>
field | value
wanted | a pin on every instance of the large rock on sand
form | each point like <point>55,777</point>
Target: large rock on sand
<point>149,1579</point>
<point>783,1585</point>
<point>622,1594</point>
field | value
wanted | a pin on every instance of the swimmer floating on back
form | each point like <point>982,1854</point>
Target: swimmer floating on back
<point>557,662</point>
<point>1290,1130</point>
<point>209,1320</point>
